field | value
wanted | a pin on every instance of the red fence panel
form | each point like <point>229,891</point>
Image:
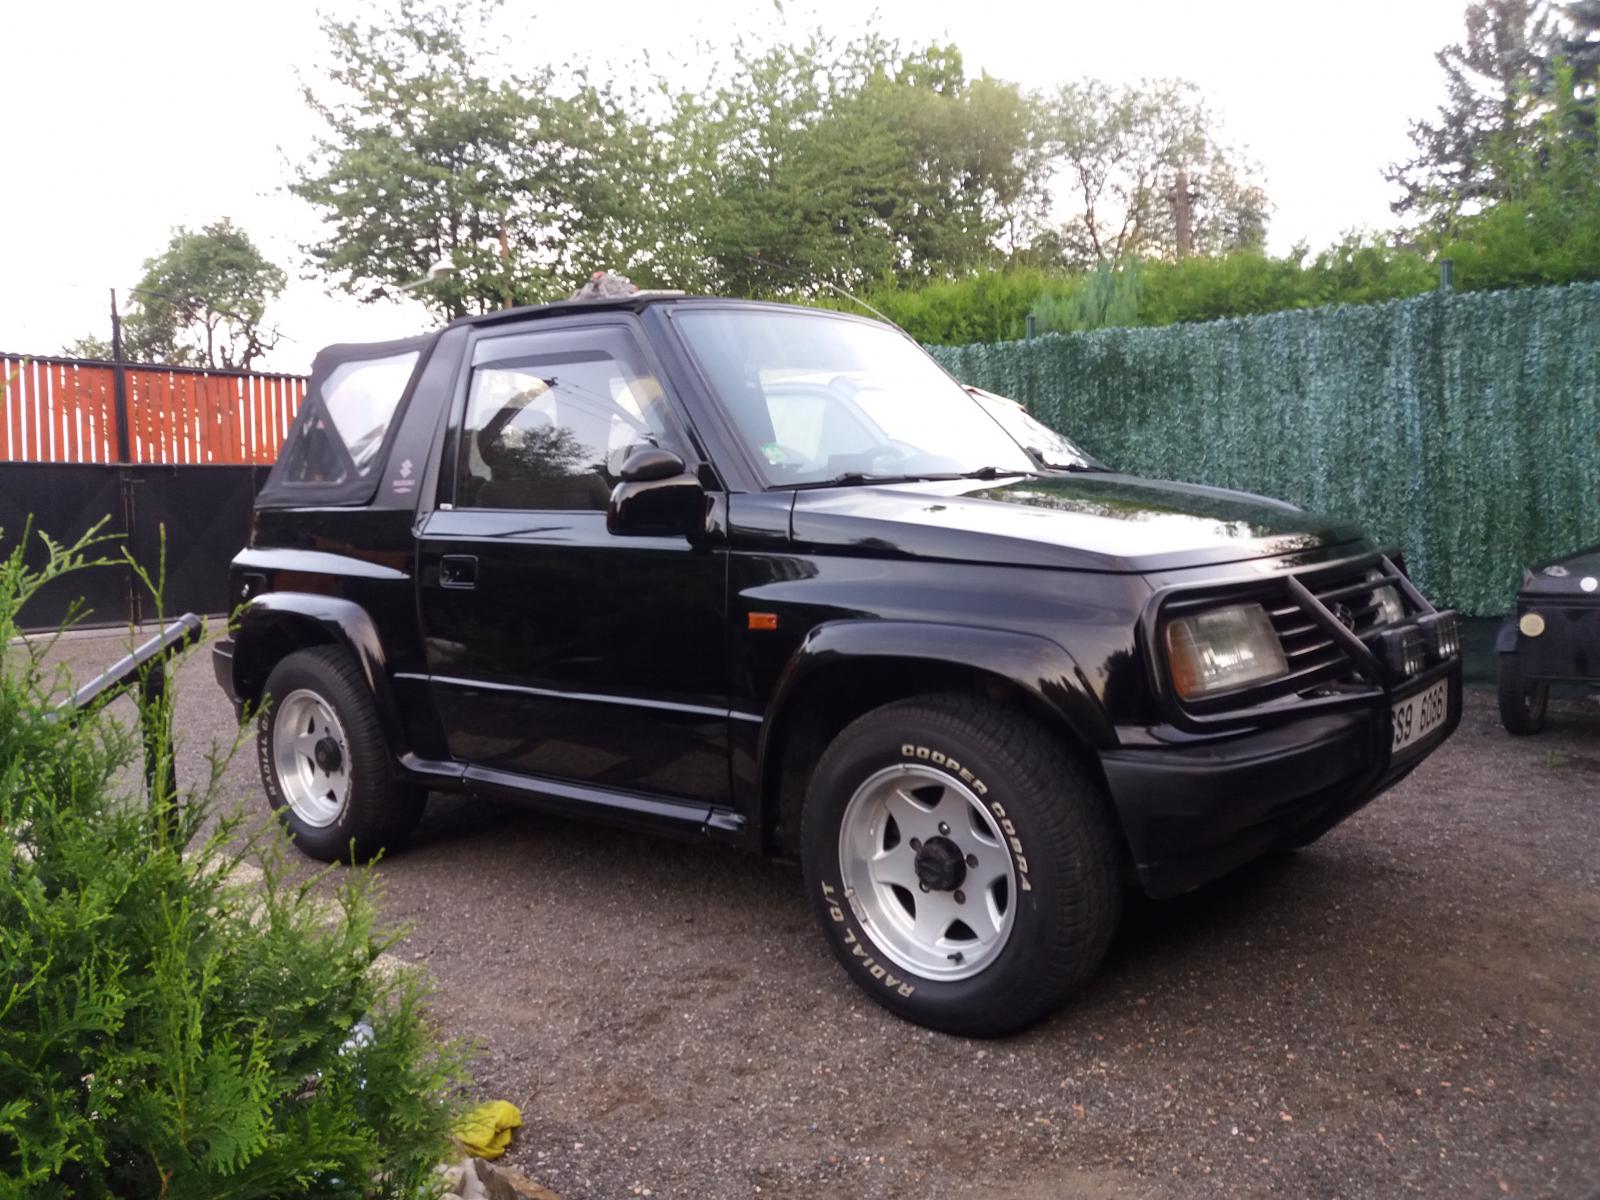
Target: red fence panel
<point>64,410</point>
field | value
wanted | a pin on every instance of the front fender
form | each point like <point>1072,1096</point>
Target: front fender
<point>1037,665</point>
<point>1505,639</point>
<point>279,621</point>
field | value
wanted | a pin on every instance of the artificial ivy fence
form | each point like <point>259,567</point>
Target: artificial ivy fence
<point>1464,428</point>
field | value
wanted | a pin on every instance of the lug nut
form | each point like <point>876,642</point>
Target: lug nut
<point>972,861</point>
<point>961,897</point>
<point>916,844</point>
<point>944,829</point>
<point>923,886</point>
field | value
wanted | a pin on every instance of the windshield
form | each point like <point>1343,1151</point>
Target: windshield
<point>1049,448</point>
<point>821,399</point>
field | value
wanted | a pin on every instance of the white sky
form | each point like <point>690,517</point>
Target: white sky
<point>119,121</point>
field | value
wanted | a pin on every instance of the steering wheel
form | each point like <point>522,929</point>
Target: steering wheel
<point>779,455</point>
<point>905,449</point>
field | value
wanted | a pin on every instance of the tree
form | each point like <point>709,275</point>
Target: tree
<point>1488,76</point>
<point>1577,45</point>
<point>1544,226</point>
<point>1579,41</point>
<point>201,302</point>
<point>1145,172</point>
<point>432,152</point>
<point>840,163</point>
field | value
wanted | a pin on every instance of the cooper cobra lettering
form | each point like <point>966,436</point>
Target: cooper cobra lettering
<point>939,759</point>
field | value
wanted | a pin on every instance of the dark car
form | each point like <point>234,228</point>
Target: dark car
<point>1553,637</point>
<point>768,577</point>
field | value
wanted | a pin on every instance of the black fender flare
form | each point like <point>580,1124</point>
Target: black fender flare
<point>1041,668</point>
<point>1505,640</point>
<point>338,621</point>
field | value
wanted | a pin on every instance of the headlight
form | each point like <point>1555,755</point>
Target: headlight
<point>1442,632</point>
<point>1222,649</point>
<point>1387,598</point>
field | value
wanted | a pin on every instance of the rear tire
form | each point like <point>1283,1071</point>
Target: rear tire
<point>325,762</point>
<point>1522,702</point>
<point>1015,837</point>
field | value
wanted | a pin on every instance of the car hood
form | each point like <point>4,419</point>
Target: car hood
<point>1565,576</point>
<point>1091,521</point>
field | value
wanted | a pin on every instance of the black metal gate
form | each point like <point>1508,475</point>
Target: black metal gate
<point>204,510</point>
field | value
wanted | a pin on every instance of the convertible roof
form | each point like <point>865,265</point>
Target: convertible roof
<point>314,465</point>
<point>556,308</point>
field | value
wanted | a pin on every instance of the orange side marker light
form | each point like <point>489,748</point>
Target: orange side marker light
<point>760,620</point>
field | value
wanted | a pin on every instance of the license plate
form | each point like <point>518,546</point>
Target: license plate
<point>1415,717</point>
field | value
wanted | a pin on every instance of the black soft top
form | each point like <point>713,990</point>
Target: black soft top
<point>315,465</point>
<point>634,303</point>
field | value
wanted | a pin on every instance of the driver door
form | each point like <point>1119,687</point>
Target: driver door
<point>555,649</point>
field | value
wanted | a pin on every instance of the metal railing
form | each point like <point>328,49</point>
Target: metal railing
<point>146,669</point>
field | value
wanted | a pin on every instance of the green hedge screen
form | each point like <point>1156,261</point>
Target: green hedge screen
<point>1464,428</point>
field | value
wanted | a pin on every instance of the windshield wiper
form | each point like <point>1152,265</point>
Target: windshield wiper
<point>991,473</point>
<point>859,478</point>
<point>1048,464</point>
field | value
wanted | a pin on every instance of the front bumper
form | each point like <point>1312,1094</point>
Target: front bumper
<point>1194,810</point>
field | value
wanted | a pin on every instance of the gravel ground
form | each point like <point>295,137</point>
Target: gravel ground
<point>1410,1007</point>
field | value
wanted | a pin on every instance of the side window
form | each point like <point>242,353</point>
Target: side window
<point>551,417</point>
<point>344,425</point>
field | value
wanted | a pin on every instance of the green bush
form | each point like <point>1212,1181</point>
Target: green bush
<point>991,306</point>
<point>994,306</point>
<point>166,1031</point>
<point>1547,233</point>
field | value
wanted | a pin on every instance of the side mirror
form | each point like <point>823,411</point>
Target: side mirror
<point>657,496</point>
<point>647,464</point>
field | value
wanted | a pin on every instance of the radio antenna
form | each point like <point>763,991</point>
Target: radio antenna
<point>827,284</point>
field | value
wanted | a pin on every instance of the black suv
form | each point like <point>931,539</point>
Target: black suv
<point>768,576</point>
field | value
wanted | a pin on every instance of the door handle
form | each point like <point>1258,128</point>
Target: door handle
<point>458,571</point>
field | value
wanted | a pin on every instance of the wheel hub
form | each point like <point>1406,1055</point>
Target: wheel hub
<point>940,865</point>
<point>328,756</point>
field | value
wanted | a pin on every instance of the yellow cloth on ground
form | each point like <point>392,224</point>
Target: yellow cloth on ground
<point>485,1132</point>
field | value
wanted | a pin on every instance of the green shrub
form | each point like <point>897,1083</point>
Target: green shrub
<point>1101,299</point>
<point>166,1031</point>
<point>990,306</point>
<point>1548,233</point>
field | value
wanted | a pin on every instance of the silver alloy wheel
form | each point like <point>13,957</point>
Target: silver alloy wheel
<point>902,836</point>
<point>311,757</point>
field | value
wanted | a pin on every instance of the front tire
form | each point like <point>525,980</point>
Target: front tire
<point>325,762</point>
<point>1523,702</point>
<point>962,863</point>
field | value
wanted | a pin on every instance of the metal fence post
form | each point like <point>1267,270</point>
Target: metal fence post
<point>1447,274</point>
<point>119,384</point>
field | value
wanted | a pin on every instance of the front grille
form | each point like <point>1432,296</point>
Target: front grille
<point>1307,610</point>
<point>1316,658</point>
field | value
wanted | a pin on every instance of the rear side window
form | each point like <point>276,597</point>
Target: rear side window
<point>344,427</point>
